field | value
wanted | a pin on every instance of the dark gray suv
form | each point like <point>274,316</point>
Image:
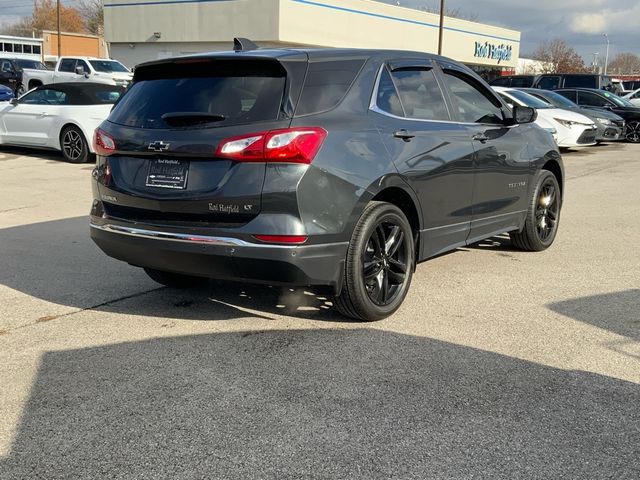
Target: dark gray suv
<point>335,168</point>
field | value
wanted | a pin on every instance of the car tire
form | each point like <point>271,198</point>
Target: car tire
<point>632,132</point>
<point>379,264</point>
<point>73,145</point>
<point>174,280</point>
<point>543,215</point>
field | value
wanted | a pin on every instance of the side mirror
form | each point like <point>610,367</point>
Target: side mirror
<point>13,101</point>
<point>524,114</point>
<point>79,70</point>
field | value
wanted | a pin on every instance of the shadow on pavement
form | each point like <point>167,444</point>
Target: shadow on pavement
<point>618,312</point>
<point>57,262</point>
<point>333,404</point>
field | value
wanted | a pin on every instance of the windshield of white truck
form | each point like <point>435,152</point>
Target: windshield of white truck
<point>108,66</point>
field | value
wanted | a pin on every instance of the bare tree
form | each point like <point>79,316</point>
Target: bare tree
<point>625,63</point>
<point>44,17</point>
<point>559,57</point>
<point>93,13</point>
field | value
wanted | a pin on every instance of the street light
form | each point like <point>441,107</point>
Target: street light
<point>606,57</point>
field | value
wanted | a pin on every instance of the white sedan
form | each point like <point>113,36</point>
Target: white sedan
<point>633,97</point>
<point>60,117</point>
<point>570,129</point>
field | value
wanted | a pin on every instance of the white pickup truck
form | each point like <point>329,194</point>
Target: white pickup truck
<point>79,69</point>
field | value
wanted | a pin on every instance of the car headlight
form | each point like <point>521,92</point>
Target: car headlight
<point>604,121</point>
<point>571,123</point>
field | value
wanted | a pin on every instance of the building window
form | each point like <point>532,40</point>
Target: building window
<point>17,47</point>
<point>26,48</point>
<point>36,49</point>
<point>8,47</point>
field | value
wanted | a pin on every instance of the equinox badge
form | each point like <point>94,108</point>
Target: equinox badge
<point>158,146</point>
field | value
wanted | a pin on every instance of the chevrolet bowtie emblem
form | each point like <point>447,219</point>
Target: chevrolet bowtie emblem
<point>159,146</point>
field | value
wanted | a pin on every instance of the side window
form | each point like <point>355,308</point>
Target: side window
<point>506,99</point>
<point>591,99</point>
<point>472,105</point>
<point>5,66</point>
<point>521,82</point>
<point>44,97</point>
<point>388,99</point>
<point>420,94</point>
<point>549,83</point>
<point>67,65</point>
<point>636,95</point>
<point>501,82</point>
<point>326,84</point>
<point>83,64</point>
<point>571,95</point>
<point>580,82</point>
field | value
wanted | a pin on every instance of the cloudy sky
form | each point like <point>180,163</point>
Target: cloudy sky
<point>579,22</point>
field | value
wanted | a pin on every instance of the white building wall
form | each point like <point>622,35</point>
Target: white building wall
<point>140,30</point>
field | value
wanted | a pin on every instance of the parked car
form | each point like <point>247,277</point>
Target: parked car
<point>629,86</point>
<point>610,126</point>
<point>606,101</point>
<point>79,69</point>
<point>513,81</point>
<point>61,117</point>
<point>557,80</point>
<point>6,94</point>
<point>571,128</point>
<point>282,167</point>
<point>633,97</point>
<point>11,75</point>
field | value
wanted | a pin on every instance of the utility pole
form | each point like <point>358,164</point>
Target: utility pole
<point>606,57</point>
<point>441,28</point>
<point>58,20</point>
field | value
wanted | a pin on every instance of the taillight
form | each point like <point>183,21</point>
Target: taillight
<point>287,239</point>
<point>103,144</point>
<point>289,145</point>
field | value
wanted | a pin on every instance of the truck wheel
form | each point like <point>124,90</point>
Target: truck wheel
<point>379,264</point>
<point>174,280</point>
<point>543,216</point>
<point>73,145</point>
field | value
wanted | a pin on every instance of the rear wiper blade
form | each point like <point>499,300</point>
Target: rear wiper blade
<point>191,118</point>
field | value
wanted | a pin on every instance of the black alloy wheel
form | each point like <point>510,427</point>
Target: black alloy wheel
<point>379,264</point>
<point>547,210</point>
<point>632,132</point>
<point>543,215</point>
<point>74,146</point>
<point>385,263</point>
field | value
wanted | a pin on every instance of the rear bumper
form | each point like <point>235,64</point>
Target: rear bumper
<point>223,257</point>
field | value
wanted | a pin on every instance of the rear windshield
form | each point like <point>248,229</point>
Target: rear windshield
<point>208,94</point>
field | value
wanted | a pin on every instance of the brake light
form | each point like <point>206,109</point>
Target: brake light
<point>289,145</point>
<point>103,144</point>
<point>289,239</point>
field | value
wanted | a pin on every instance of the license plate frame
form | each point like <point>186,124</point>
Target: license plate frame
<point>167,173</point>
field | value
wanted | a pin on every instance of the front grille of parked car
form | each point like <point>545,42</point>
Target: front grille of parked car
<point>588,136</point>
<point>154,217</point>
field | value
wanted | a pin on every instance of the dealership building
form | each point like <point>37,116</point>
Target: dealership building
<point>142,30</point>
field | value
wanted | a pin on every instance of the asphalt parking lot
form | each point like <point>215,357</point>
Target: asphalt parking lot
<point>500,364</point>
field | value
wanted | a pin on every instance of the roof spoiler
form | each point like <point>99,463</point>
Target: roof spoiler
<point>243,44</point>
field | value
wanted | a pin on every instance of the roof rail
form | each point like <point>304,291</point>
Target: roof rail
<point>243,44</point>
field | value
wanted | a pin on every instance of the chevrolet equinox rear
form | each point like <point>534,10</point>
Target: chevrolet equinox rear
<point>325,168</point>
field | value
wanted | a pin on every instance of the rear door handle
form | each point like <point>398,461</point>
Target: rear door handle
<point>480,137</point>
<point>404,135</point>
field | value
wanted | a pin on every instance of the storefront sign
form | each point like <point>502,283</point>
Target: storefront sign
<point>500,52</point>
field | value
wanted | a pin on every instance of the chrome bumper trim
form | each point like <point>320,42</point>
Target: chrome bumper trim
<point>184,237</point>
